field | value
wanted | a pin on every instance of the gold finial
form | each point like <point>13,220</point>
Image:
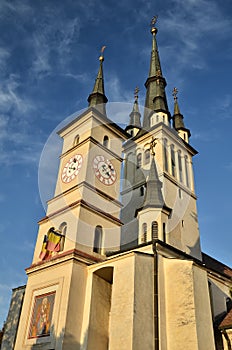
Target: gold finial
<point>101,58</point>
<point>152,24</point>
<point>174,93</point>
<point>152,145</point>
<point>136,93</point>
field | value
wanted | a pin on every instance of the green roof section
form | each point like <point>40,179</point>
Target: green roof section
<point>98,97</point>
<point>155,84</point>
<point>135,115</point>
<point>178,118</point>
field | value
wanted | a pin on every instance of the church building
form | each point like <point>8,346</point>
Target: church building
<point>117,262</point>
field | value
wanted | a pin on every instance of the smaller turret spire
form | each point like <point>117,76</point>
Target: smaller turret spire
<point>153,195</point>
<point>135,123</point>
<point>178,119</point>
<point>98,97</point>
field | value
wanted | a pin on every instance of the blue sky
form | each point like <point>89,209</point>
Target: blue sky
<point>48,62</point>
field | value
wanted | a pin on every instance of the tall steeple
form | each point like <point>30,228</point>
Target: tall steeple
<point>135,124</point>
<point>155,84</point>
<point>178,119</point>
<point>98,97</point>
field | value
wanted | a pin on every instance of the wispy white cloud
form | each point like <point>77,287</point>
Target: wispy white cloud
<point>84,77</point>
<point>4,55</point>
<point>224,104</point>
<point>16,7</point>
<point>193,22</point>
<point>115,90</point>
<point>52,41</point>
<point>209,135</point>
<point>10,97</point>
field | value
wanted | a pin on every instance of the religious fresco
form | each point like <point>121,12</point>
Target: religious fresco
<point>42,315</point>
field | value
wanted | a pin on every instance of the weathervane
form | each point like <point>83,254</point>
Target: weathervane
<point>136,93</point>
<point>101,58</point>
<point>152,145</point>
<point>174,93</point>
<point>153,21</point>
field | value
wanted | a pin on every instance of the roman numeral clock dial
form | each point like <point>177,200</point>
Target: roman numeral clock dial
<point>104,170</point>
<point>72,168</point>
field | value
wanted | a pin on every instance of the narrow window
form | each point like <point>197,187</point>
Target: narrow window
<point>180,193</point>
<point>164,232</point>
<point>76,140</point>
<point>97,239</point>
<point>180,166</point>
<point>228,304</point>
<point>142,191</point>
<point>130,167</point>
<point>144,233</point>
<point>147,156</point>
<point>63,231</point>
<point>157,118</point>
<point>165,155</point>
<point>186,171</point>
<point>173,161</point>
<point>154,230</point>
<point>106,141</point>
<point>139,160</point>
<point>211,297</point>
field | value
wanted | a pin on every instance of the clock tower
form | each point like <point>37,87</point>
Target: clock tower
<point>82,222</point>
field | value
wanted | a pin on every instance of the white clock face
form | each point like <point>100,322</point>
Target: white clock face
<point>72,168</point>
<point>104,170</point>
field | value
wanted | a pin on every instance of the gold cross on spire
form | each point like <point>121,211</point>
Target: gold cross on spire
<point>136,93</point>
<point>153,21</point>
<point>152,145</point>
<point>174,93</point>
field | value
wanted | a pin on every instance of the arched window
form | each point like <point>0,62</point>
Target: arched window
<point>142,191</point>
<point>228,304</point>
<point>164,232</point>
<point>180,166</point>
<point>144,233</point>
<point>97,245</point>
<point>106,141</point>
<point>186,170</point>
<point>130,167</point>
<point>139,160</point>
<point>147,156</point>
<point>173,161</point>
<point>154,230</point>
<point>76,140</point>
<point>63,231</point>
<point>165,155</point>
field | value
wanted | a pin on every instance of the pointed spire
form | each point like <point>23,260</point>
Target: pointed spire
<point>178,119</point>
<point>153,196</point>
<point>97,97</point>
<point>155,84</point>
<point>135,115</point>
